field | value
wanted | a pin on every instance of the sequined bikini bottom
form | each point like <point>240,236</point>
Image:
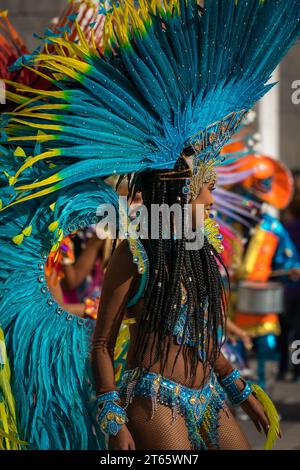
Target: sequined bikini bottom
<point>199,407</point>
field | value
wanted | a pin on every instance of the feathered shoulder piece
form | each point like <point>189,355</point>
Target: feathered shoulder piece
<point>172,74</point>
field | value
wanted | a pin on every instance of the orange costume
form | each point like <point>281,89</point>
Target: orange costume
<point>272,183</point>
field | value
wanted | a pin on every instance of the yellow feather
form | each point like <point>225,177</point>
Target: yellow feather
<point>32,160</point>
<point>44,106</point>
<point>59,76</point>
<point>74,50</point>
<point>26,105</point>
<point>59,49</point>
<point>93,40</point>
<point>15,98</point>
<point>55,247</point>
<point>44,192</point>
<point>47,116</point>
<point>37,138</point>
<point>53,60</point>
<point>18,239</point>
<point>51,180</point>
<point>53,226</point>
<point>19,152</point>
<point>82,38</point>
<point>121,344</point>
<point>8,428</point>
<point>60,233</point>
<point>28,89</point>
<point>27,231</point>
<point>126,16</point>
<point>52,127</point>
<point>41,74</point>
<point>271,414</point>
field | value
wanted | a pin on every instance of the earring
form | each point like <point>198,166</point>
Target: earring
<point>186,188</point>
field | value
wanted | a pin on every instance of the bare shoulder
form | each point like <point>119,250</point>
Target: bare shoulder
<point>121,260</point>
<point>122,252</point>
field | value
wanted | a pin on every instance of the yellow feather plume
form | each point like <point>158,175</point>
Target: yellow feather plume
<point>8,428</point>
<point>271,414</point>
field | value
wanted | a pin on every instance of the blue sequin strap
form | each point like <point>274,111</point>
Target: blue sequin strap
<point>235,395</point>
<point>110,416</point>
<point>141,259</point>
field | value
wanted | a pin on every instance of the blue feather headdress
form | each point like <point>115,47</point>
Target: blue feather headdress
<point>170,74</point>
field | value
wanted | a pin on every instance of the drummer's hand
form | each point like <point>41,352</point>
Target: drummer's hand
<point>294,274</point>
<point>244,336</point>
<point>247,339</point>
<point>256,413</point>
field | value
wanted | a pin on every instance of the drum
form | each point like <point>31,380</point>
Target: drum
<point>260,297</point>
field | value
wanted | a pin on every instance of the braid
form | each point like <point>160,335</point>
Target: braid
<point>170,265</point>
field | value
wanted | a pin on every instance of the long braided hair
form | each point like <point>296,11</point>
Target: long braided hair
<point>170,265</point>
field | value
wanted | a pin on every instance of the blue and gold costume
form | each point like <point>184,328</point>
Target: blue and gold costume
<point>200,407</point>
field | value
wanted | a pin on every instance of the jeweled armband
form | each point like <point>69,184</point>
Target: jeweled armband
<point>235,395</point>
<point>110,416</point>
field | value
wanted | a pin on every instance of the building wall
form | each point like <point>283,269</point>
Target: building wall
<point>289,112</point>
<point>30,16</point>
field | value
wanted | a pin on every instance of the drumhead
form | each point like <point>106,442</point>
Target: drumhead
<point>260,297</point>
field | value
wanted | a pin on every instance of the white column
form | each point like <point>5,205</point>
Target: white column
<point>269,120</point>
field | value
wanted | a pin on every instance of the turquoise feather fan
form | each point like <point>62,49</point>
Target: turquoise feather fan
<point>48,347</point>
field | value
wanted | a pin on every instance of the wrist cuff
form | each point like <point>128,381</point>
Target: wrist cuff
<point>112,416</point>
<point>235,395</point>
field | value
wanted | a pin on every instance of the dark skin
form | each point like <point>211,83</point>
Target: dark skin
<point>116,291</point>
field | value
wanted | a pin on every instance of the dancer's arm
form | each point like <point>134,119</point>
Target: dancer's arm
<point>118,283</point>
<point>251,405</point>
<point>75,274</point>
<point>117,287</point>
<point>222,366</point>
<point>74,308</point>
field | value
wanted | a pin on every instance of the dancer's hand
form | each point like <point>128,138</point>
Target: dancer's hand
<point>122,441</point>
<point>256,413</point>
